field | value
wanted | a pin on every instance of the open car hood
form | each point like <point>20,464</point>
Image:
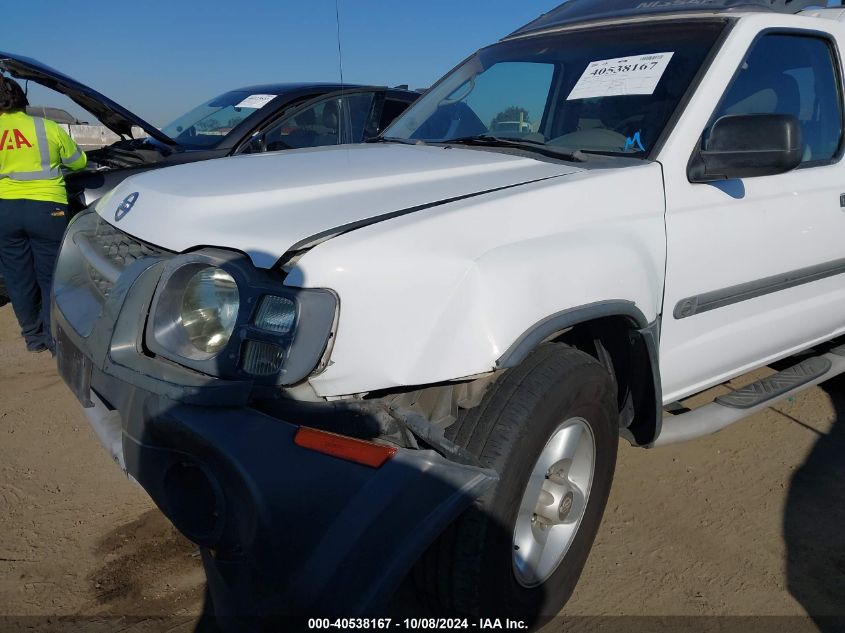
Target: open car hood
<point>115,117</point>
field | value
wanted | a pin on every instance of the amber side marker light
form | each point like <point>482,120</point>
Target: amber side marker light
<point>348,448</point>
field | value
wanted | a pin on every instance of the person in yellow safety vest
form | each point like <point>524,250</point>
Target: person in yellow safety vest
<point>33,209</point>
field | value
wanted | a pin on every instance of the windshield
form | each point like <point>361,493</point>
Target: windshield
<point>608,90</point>
<point>207,124</point>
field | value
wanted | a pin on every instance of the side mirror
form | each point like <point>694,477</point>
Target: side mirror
<point>747,145</point>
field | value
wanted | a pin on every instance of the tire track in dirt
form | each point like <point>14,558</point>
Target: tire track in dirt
<point>10,496</point>
<point>148,568</point>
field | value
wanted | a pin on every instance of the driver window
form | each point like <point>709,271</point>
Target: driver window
<point>317,125</point>
<point>791,74</point>
<point>330,122</point>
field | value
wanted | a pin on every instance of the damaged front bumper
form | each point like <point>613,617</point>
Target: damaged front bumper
<point>284,529</point>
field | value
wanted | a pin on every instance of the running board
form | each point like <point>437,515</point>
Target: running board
<point>730,408</point>
<point>774,386</point>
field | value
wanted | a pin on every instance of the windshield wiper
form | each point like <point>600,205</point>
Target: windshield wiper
<point>394,139</point>
<point>539,147</point>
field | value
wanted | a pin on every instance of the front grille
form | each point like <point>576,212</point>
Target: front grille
<point>102,284</point>
<point>110,252</point>
<point>93,257</point>
<point>120,248</point>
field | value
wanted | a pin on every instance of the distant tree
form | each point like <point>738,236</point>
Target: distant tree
<point>511,113</point>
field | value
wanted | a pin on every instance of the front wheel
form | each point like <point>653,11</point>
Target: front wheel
<point>550,429</point>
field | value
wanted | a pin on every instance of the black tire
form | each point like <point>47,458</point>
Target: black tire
<point>468,570</point>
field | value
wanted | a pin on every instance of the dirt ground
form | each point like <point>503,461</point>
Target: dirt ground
<point>748,522</point>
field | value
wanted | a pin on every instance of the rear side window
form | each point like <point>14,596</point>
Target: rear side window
<point>392,109</point>
<point>792,74</point>
<point>357,109</point>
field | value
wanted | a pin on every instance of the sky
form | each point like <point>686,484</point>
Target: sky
<point>160,58</point>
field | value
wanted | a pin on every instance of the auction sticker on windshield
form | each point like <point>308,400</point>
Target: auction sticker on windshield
<point>255,101</point>
<point>635,75</point>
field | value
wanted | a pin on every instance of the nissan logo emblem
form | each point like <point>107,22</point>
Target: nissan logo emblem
<point>125,206</point>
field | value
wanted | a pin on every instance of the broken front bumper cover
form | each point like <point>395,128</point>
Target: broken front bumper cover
<point>285,530</point>
<point>293,531</point>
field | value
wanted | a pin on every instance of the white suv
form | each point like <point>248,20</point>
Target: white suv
<point>329,366</point>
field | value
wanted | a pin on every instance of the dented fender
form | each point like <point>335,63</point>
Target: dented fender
<point>443,293</point>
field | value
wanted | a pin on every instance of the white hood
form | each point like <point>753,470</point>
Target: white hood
<point>264,204</point>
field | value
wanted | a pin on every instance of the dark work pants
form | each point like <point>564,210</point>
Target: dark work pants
<point>30,236</point>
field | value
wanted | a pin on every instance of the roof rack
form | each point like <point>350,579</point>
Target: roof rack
<point>575,11</point>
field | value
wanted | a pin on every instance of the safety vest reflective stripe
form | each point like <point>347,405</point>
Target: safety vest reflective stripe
<point>74,157</point>
<point>44,150</point>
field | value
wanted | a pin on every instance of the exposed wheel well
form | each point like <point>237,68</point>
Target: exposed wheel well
<point>626,347</point>
<point>630,355</point>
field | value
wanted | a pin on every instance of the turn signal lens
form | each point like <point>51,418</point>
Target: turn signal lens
<point>342,447</point>
<point>262,359</point>
<point>276,314</point>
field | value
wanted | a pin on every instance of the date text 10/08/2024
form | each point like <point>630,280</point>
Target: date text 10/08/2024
<point>430,624</point>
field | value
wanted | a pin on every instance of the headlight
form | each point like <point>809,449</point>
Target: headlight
<point>195,311</point>
<point>210,309</point>
<point>214,312</point>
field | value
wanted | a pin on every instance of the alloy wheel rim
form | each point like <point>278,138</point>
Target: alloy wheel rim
<point>554,502</point>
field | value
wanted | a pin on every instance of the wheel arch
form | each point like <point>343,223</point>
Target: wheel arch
<point>620,336</point>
